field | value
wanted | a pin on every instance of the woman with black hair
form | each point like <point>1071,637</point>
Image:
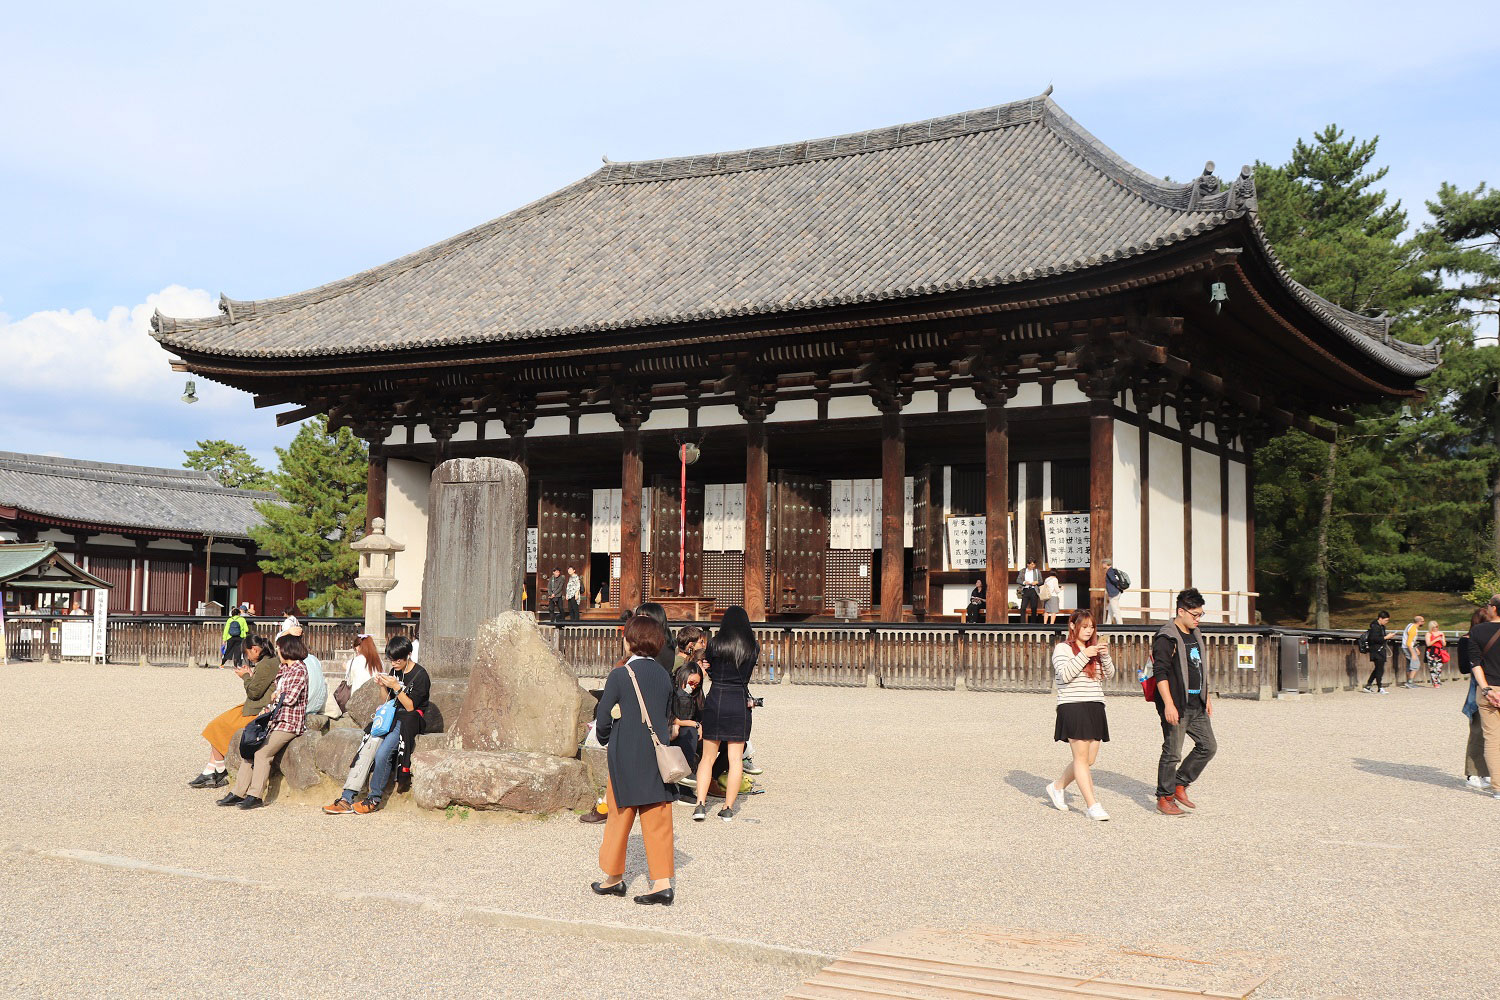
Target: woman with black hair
<point>668,651</point>
<point>731,657</point>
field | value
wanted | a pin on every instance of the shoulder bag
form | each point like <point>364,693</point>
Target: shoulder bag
<point>670,760</point>
<point>256,732</point>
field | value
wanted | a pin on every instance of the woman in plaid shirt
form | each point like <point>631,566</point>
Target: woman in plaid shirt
<point>291,720</point>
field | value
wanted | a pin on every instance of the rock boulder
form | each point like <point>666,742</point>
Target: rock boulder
<point>362,703</point>
<point>335,750</point>
<point>522,782</point>
<point>298,762</point>
<point>522,695</point>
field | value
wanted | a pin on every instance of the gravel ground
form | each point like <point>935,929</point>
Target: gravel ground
<point>1343,872</point>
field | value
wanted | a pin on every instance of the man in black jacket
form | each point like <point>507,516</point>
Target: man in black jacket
<point>1183,702</point>
<point>1376,638</point>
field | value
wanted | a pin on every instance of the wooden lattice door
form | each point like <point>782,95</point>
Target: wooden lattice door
<point>924,539</point>
<point>562,535</point>
<point>666,515</point>
<point>799,543</point>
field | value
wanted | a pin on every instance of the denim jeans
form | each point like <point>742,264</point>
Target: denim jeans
<point>1173,770</point>
<point>376,758</point>
<point>687,741</point>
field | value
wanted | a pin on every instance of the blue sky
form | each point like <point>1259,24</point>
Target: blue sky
<point>164,153</point>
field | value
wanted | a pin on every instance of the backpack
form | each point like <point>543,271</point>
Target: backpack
<point>1122,578</point>
<point>1364,642</point>
<point>235,628</point>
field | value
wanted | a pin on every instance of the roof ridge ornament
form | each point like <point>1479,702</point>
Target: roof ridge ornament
<point>1242,193</point>
<point>1204,187</point>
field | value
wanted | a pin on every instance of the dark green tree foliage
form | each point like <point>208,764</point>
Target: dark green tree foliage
<point>1372,510</point>
<point>229,463</point>
<point>322,481</point>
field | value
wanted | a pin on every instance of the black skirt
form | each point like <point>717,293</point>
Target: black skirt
<point>1082,720</point>
<point>726,717</point>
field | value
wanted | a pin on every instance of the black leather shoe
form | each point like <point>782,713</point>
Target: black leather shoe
<point>663,898</point>
<point>229,800</point>
<point>618,889</point>
<point>251,802</point>
<point>214,780</point>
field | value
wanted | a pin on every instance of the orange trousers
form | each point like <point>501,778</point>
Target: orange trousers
<point>656,831</point>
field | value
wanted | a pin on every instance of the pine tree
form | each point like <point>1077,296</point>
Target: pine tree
<point>322,481</point>
<point>229,463</point>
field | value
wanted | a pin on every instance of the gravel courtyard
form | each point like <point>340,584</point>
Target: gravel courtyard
<point>1334,848</point>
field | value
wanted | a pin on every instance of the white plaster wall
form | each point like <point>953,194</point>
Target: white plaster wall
<point>794,410</point>
<point>922,402</point>
<point>719,416</point>
<point>494,430</point>
<point>840,407</point>
<point>1027,394</point>
<point>422,434</point>
<point>1208,552</point>
<point>596,423</point>
<point>468,430</point>
<point>963,399</point>
<point>1239,541</point>
<point>661,420</point>
<point>406,522</point>
<point>1067,391</point>
<point>1126,550</point>
<point>553,426</point>
<point>956,596</point>
<point>1165,503</point>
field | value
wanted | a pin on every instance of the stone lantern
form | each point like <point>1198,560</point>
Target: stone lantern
<point>376,576</point>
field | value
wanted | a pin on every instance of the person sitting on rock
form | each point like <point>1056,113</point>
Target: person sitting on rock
<point>258,674</point>
<point>317,686</point>
<point>289,721</point>
<point>687,710</point>
<point>380,756</point>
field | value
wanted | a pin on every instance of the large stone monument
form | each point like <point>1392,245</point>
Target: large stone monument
<point>476,557</point>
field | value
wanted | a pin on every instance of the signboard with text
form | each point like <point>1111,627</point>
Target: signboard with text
<point>1065,540</point>
<point>966,538</point>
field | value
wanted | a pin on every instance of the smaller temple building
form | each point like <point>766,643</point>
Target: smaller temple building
<point>164,541</point>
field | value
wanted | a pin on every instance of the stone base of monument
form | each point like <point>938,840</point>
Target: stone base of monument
<point>515,780</point>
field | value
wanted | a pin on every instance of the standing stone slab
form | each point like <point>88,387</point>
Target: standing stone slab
<point>522,694</point>
<point>476,557</point>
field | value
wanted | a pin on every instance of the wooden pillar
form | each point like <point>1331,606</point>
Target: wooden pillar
<point>1101,498</point>
<point>375,487</point>
<point>630,516</point>
<point>892,514</point>
<point>996,506</point>
<point>757,468</point>
<point>1250,528</point>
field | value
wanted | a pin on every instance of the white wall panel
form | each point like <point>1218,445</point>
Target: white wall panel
<point>594,423</point>
<point>1239,542</point>
<point>963,399</point>
<point>719,415</point>
<point>1208,558</point>
<point>1027,394</point>
<point>553,426</point>
<point>841,407</point>
<point>793,410</point>
<point>664,420</point>
<point>1165,501</point>
<point>1067,391</point>
<point>1126,551</point>
<point>406,522</point>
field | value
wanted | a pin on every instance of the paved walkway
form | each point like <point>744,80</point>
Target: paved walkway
<point>1333,842</point>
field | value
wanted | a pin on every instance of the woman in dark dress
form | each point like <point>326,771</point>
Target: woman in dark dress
<point>635,787</point>
<point>731,657</point>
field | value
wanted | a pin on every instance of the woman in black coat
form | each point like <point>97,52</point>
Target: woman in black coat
<point>731,657</point>
<point>635,787</point>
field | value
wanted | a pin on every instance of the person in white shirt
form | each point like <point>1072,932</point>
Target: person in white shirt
<point>1030,581</point>
<point>1080,663</point>
<point>1409,637</point>
<point>317,686</point>
<point>573,593</point>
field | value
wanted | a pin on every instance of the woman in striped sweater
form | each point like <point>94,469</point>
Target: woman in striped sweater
<point>1080,662</point>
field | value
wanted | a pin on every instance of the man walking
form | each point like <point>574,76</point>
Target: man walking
<point>1375,639</point>
<point>1409,637</point>
<point>574,593</point>
<point>1183,702</point>
<point>1115,583</point>
<point>1030,583</point>
<point>555,589</point>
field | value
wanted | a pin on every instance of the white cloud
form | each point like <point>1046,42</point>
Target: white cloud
<point>81,385</point>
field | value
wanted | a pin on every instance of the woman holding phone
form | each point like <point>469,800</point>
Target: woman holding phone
<point>1080,663</point>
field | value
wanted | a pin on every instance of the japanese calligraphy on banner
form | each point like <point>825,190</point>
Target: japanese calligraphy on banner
<point>646,501</point>
<point>1065,538</point>
<point>966,540</point>
<point>101,622</point>
<point>713,517</point>
<point>77,638</point>
<point>734,517</point>
<point>841,514</point>
<point>604,529</point>
<point>862,518</point>
<point>531,550</point>
<point>877,506</point>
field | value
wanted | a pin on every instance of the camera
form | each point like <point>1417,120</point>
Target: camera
<point>758,702</point>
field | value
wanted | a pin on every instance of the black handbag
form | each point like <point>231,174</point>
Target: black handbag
<point>257,732</point>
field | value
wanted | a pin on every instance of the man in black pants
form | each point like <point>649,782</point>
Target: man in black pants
<point>1183,702</point>
<point>1376,638</point>
<point>1029,583</point>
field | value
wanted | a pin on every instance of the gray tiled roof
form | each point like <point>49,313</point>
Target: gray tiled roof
<point>127,496</point>
<point>1004,195</point>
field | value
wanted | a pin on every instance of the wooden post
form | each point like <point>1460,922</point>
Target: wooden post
<point>892,514</point>
<point>1250,529</point>
<point>375,487</point>
<point>756,471</point>
<point>1101,498</point>
<point>630,517</point>
<point>996,506</point>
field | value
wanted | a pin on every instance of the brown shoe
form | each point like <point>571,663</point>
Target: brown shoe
<point>1167,806</point>
<point>593,816</point>
<point>364,806</point>
<point>338,807</point>
<point>1180,797</point>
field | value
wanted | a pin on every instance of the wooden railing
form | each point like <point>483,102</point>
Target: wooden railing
<point>934,657</point>
<point>171,641</point>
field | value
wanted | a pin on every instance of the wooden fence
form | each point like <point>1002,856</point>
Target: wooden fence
<point>1242,662</point>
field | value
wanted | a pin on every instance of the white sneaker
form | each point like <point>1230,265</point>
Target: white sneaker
<point>1058,796</point>
<point>1382,691</point>
<point>1474,781</point>
<point>1096,811</point>
<point>1487,783</point>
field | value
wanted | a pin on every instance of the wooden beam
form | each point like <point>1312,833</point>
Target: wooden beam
<point>300,413</point>
<point>375,490</point>
<point>892,515</point>
<point>630,518</point>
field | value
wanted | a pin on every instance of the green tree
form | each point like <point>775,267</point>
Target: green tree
<point>229,463</point>
<point>1337,232</point>
<point>321,482</point>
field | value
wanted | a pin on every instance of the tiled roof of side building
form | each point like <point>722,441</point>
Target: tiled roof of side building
<point>981,199</point>
<point>129,497</point>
